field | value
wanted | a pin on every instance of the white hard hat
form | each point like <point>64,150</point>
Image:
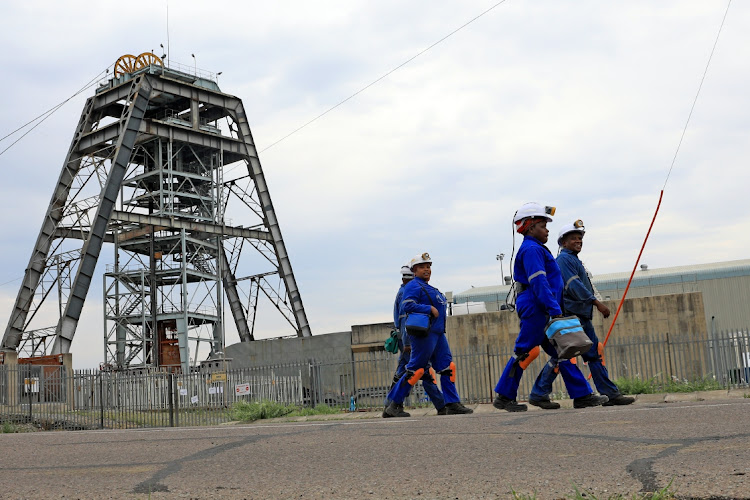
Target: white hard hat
<point>420,259</point>
<point>406,272</point>
<point>575,227</point>
<point>533,209</point>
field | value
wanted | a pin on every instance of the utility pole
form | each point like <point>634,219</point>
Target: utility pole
<point>500,257</point>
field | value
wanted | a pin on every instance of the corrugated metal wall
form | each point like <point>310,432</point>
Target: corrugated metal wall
<point>725,299</point>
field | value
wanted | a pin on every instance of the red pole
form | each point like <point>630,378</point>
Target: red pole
<point>634,268</point>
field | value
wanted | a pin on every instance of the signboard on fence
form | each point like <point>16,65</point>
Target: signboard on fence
<point>31,385</point>
<point>219,377</point>
<point>242,389</point>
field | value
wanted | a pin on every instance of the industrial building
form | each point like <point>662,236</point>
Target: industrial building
<point>725,287</point>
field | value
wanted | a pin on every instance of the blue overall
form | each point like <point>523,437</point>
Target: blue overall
<point>430,350</point>
<point>432,390</point>
<point>537,271</point>
<point>578,299</point>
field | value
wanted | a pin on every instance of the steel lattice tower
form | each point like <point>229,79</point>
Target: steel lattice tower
<point>145,172</point>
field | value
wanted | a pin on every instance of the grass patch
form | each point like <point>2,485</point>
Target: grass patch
<point>248,412</point>
<point>9,428</point>
<point>633,385</point>
<point>665,493</point>
<point>318,410</point>
<point>704,384</point>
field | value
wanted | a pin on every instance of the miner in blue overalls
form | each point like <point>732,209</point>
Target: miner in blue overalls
<point>580,298</point>
<point>429,349</point>
<point>539,287</point>
<point>404,350</point>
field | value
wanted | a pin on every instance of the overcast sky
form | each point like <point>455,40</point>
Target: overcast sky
<point>577,104</point>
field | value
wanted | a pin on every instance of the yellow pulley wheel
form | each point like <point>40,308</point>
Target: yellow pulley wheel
<point>147,59</point>
<point>125,64</point>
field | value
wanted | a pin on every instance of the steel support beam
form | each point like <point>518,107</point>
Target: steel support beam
<point>285,266</point>
<point>235,303</point>
<point>203,227</point>
<point>35,269</point>
<point>93,244</point>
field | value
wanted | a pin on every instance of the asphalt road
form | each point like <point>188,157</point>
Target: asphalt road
<point>702,447</point>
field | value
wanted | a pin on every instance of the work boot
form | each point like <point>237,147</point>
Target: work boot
<point>396,410</point>
<point>442,411</point>
<point>545,404</point>
<point>385,412</point>
<point>457,409</point>
<point>589,401</point>
<point>620,400</point>
<point>503,403</point>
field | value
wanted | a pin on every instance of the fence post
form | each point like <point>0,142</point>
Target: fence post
<point>176,393</point>
<point>101,399</point>
<point>28,387</point>
<point>171,400</point>
<point>490,382</point>
<point>669,359</point>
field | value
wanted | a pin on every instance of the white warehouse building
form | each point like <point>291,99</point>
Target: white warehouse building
<point>725,287</point>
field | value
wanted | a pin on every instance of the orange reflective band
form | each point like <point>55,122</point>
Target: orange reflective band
<point>600,348</point>
<point>415,378</point>
<point>557,369</point>
<point>573,361</point>
<point>453,372</point>
<point>531,357</point>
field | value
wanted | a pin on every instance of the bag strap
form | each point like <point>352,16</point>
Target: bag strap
<point>427,293</point>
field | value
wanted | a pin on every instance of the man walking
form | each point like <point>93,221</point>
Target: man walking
<point>579,299</point>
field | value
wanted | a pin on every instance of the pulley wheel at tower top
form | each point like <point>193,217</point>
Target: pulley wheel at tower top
<point>147,59</point>
<point>125,64</point>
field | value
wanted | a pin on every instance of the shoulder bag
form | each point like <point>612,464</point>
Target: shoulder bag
<point>418,324</point>
<point>391,343</point>
<point>568,337</point>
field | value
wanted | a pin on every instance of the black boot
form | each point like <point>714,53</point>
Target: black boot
<point>589,401</point>
<point>620,400</point>
<point>503,403</point>
<point>545,404</point>
<point>396,410</point>
<point>457,409</point>
<point>442,411</point>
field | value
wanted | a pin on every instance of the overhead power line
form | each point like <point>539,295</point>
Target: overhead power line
<point>321,115</point>
<point>690,115</point>
<point>41,118</point>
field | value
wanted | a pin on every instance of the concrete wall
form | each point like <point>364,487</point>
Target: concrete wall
<point>331,384</point>
<point>331,346</point>
<point>375,334</point>
<point>680,315</point>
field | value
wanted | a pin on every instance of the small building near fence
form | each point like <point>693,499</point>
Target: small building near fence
<point>725,287</point>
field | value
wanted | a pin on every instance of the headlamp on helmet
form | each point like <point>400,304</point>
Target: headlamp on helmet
<point>420,259</point>
<point>534,210</point>
<point>575,227</point>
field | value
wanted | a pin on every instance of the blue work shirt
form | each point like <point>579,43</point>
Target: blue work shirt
<point>419,296</point>
<point>578,294</point>
<point>397,319</point>
<point>536,267</point>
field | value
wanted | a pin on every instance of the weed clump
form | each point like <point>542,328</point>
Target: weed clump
<point>250,411</point>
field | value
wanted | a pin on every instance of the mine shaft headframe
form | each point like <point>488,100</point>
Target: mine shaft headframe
<point>130,63</point>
